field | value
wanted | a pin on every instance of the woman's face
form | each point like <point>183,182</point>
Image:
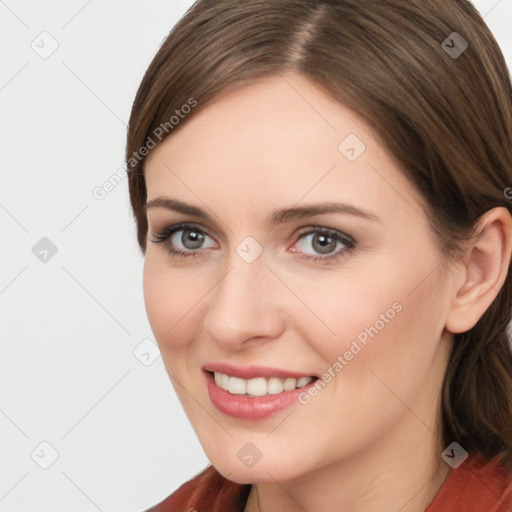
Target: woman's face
<point>306,254</point>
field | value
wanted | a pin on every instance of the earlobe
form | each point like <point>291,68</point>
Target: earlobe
<point>485,269</point>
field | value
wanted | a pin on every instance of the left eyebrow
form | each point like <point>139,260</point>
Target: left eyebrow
<point>300,212</point>
<point>276,216</point>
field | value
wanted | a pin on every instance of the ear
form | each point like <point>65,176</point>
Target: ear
<point>483,270</point>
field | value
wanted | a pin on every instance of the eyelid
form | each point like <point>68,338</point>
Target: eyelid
<point>307,230</point>
<point>165,232</point>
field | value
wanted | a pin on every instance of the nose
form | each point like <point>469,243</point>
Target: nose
<point>243,308</point>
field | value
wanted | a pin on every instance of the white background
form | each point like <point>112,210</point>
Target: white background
<point>69,326</point>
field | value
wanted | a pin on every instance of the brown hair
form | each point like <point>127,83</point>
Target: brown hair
<point>446,117</point>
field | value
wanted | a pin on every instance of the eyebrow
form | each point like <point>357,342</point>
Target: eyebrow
<point>275,217</point>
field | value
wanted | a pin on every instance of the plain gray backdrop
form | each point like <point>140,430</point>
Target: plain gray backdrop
<point>88,417</point>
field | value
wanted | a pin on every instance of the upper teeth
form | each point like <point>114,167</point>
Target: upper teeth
<point>259,386</point>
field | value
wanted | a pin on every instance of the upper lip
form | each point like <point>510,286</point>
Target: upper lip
<point>251,372</point>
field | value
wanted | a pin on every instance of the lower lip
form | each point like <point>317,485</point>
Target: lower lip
<point>249,408</point>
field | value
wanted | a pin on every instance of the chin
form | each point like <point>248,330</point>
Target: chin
<point>251,476</point>
<point>261,472</point>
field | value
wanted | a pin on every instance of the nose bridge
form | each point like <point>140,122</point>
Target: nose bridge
<point>241,305</point>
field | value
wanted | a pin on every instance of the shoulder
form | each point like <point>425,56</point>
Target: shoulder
<point>477,485</point>
<point>208,491</point>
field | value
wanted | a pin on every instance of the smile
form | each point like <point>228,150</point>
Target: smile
<point>259,386</point>
<point>253,393</point>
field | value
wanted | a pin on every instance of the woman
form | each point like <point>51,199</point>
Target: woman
<point>320,194</point>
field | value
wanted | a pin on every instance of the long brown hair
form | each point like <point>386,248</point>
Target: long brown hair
<point>432,81</point>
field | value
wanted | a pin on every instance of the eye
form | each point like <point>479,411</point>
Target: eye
<point>326,244</point>
<point>184,239</point>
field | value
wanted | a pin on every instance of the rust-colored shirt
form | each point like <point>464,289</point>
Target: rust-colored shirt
<point>477,485</point>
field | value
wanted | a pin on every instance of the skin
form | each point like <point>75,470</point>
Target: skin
<point>370,440</point>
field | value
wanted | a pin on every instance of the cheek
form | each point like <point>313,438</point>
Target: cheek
<point>366,333</point>
<point>171,298</point>
<point>379,318</point>
<point>389,349</point>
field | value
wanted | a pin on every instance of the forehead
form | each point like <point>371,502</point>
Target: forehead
<point>263,121</point>
<point>279,140</point>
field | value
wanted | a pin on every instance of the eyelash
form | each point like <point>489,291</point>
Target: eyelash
<point>167,231</point>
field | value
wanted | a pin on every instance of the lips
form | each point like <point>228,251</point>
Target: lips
<point>254,393</point>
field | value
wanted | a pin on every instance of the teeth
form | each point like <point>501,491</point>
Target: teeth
<point>289,384</point>
<point>303,381</point>
<point>237,386</point>
<point>275,386</point>
<point>259,386</point>
<point>224,381</point>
